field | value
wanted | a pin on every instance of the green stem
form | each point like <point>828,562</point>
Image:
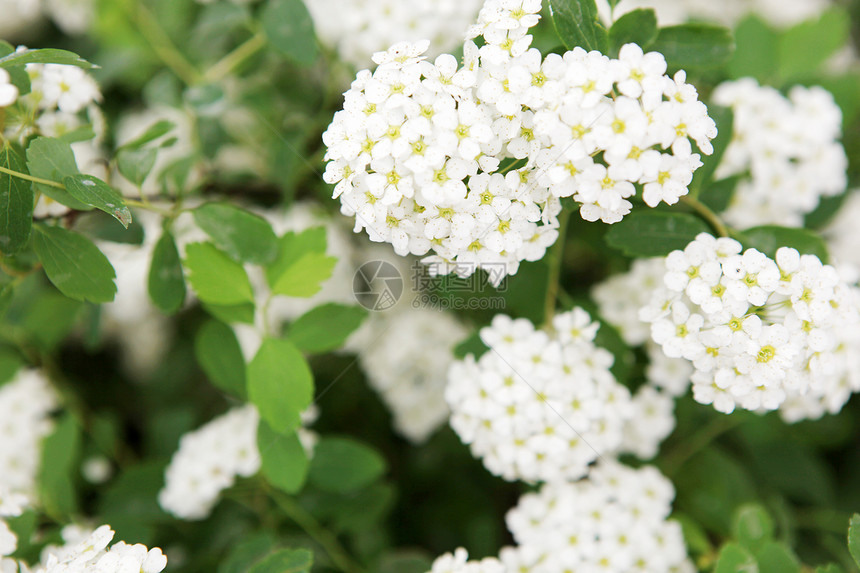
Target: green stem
<point>317,532</point>
<point>26,177</point>
<point>701,439</point>
<point>162,45</point>
<point>226,65</point>
<point>555,260</point>
<point>707,214</point>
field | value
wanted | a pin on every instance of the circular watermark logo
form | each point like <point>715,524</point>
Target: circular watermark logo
<point>377,285</point>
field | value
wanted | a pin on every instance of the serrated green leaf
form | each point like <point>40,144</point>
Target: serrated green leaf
<point>53,159</point>
<point>854,538</point>
<point>95,192</point>
<point>635,27</point>
<point>735,559</point>
<point>290,29</point>
<point>280,384</point>
<point>45,56</point>
<point>219,354</point>
<point>577,23</point>
<point>244,236</point>
<point>806,46</point>
<point>136,164</point>
<point>343,465</point>
<point>752,526</point>
<point>60,451</point>
<point>325,327</point>
<point>81,133</point>
<point>74,264</point>
<point>285,561</point>
<point>694,46</point>
<point>166,281</point>
<point>655,233</point>
<point>775,557</point>
<point>724,118</point>
<point>769,238</point>
<point>232,313</point>
<point>215,277</point>
<point>284,461</point>
<point>301,265</point>
<point>757,49</point>
<point>16,204</point>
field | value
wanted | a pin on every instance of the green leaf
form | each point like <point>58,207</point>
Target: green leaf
<point>695,536</point>
<point>7,292</point>
<point>82,133</point>
<point>854,538</point>
<point>153,132</point>
<point>635,27</point>
<point>285,561</point>
<point>769,238</point>
<point>806,46</point>
<point>280,384</point>
<point>735,559</point>
<point>343,465</point>
<point>776,557</point>
<point>232,313</point>
<point>756,54</point>
<point>93,191</point>
<point>52,159</point>
<point>290,29</point>
<point>220,356</point>
<point>472,345</point>
<point>691,46</point>
<point>284,461</point>
<point>752,526</point>
<point>654,233</point>
<point>136,164</point>
<point>10,363</point>
<point>215,277</point>
<point>301,265</point>
<point>829,568</point>
<point>718,195</point>
<point>74,264</point>
<point>247,552</point>
<point>724,118</point>
<point>60,451</point>
<point>577,23</point>
<point>244,236</point>
<point>45,56</point>
<point>16,204</point>
<point>325,327</point>
<point>166,280</point>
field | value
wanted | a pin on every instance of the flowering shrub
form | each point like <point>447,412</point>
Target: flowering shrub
<point>496,286</point>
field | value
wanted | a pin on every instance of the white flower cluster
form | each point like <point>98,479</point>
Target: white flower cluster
<point>208,461</point>
<point>458,562</point>
<point>406,356</point>
<point>364,27</point>
<point>87,551</point>
<point>539,406</point>
<point>729,12</point>
<point>613,521</point>
<point>210,458</point>
<point>471,162</point>
<point>22,19</point>
<point>758,331</point>
<point>790,148</point>
<point>26,403</point>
